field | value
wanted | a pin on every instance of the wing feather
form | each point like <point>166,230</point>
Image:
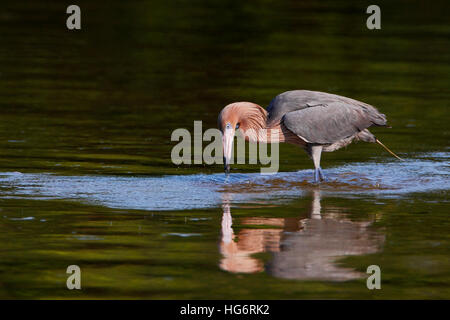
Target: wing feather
<point>320,117</point>
<point>329,123</point>
<point>302,99</point>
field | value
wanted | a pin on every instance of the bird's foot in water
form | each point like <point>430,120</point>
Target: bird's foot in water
<point>318,175</point>
<point>321,175</point>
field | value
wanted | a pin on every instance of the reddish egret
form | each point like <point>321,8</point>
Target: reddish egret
<point>315,121</point>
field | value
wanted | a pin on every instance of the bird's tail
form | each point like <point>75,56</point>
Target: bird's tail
<point>387,149</point>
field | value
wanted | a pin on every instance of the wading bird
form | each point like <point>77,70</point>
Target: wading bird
<point>315,121</point>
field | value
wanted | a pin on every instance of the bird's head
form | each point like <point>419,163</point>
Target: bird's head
<point>238,116</point>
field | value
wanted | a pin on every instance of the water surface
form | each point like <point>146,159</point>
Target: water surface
<point>384,179</point>
<point>86,176</point>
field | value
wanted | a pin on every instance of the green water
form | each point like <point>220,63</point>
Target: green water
<point>86,176</point>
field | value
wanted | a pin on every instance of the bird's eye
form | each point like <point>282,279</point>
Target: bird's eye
<point>237,126</point>
<point>228,125</point>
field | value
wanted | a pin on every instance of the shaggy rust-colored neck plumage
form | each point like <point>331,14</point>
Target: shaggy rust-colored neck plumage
<point>252,122</point>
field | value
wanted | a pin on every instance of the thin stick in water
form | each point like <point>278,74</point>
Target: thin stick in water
<point>387,149</point>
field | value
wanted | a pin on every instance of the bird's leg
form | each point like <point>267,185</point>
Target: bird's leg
<point>315,152</point>
<point>321,175</point>
<point>316,175</point>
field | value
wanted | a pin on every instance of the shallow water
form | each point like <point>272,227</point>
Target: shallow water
<point>182,192</point>
<point>86,176</point>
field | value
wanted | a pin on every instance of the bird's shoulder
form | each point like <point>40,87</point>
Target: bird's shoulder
<point>300,99</point>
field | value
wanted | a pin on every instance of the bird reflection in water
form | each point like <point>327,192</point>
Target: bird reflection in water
<point>302,248</point>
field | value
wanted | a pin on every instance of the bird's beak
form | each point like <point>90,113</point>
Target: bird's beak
<point>227,141</point>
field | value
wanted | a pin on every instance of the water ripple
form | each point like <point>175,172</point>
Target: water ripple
<point>425,173</point>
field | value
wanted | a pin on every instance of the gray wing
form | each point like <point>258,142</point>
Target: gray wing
<point>329,123</point>
<point>290,101</point>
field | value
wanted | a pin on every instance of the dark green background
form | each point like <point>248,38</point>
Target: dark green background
<point>104,100</point>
